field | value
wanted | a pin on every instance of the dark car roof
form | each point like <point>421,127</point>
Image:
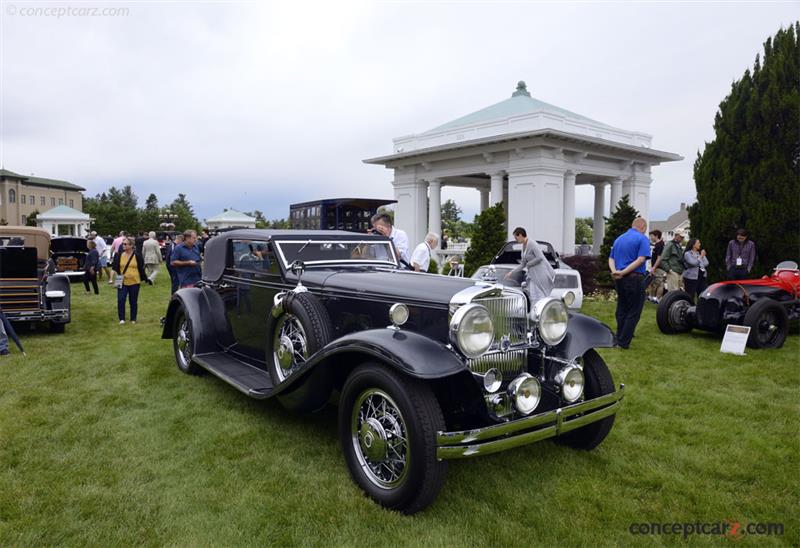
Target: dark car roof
<point>216,247</point>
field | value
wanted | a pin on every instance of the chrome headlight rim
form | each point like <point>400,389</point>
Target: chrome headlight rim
<point>398,314</point>
<point>517,388</point>
<point>540,308</point>
<point>457,334</point>
<point>562,380</point>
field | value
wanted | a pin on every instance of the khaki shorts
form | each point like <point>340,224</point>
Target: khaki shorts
<point>673,281</point>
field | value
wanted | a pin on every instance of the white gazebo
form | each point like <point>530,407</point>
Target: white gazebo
<point>63,220</point>
<point>230,218</point>
<point>529,155</point>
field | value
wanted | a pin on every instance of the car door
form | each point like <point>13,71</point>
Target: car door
<point>255,279</point>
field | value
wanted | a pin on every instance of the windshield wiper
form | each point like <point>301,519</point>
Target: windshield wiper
<point>304,246</point>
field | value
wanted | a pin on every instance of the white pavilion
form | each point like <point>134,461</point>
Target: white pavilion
<point>529,155</point>
<point>230,218</point>
<point>64,220</point>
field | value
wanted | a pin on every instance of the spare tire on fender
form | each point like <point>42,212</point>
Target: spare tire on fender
<point>298,333</point>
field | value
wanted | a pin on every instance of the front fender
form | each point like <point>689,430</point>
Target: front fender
<point>59,282</point>
<point>411,353</point>
<point>207,314</point>
<point>583,334</point>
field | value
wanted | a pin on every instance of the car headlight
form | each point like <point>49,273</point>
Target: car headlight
<point>552,319</point>
<point>568,298</point>
<point>398,314</point>
<point>471,330</point>
<point>526,392</point>
<point>571,381</point>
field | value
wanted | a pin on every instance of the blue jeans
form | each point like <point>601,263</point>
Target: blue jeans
<point>630,301</point>
<point>130,292</point>
<point>173,276</point>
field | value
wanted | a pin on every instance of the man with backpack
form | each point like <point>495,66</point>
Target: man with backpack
<point>672,261</point>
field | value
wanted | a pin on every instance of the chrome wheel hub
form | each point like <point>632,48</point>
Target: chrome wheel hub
<point>373,440</point>
<point>380,439</point>
<point>290,346</point>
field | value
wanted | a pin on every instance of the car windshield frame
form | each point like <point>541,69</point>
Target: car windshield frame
<point>393,262</point>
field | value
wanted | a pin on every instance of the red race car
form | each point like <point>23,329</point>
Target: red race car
<point>767,306</point>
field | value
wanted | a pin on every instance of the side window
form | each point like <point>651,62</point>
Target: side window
<point>253,256</point>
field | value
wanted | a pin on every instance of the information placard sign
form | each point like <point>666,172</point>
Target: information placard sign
<point>735,339</point>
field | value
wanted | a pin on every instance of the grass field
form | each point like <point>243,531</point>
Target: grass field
<point>104,442</point>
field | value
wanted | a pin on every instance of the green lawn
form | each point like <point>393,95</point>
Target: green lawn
<point>104,442</point>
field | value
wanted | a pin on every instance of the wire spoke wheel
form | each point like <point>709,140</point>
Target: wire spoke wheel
<point>184,343</point>
<point>380,439</point>
<point>290,345</point>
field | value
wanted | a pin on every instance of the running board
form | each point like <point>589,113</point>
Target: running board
<point>253,381</point>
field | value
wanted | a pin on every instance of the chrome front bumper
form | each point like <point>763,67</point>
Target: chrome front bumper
<point>500,437</point>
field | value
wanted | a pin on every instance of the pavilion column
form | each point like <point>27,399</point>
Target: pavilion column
<point>410,212</point>
<point>535,202</point>
<point>484,198</point>
<point>599,224</point>
<point>434,208</point>
<point>568,240</point>
<point>497,187</point>
<point>616,195</point>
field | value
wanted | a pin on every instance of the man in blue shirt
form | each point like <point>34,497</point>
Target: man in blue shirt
<point>185,259</point>
<point>627,264</point>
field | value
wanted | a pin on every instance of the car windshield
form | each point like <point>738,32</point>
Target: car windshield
<point>324,252</point>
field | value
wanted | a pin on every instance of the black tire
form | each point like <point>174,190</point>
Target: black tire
<point>669,316</point>
<point>415,476</point>
<point>183,343</point>
<point>768,323</point>
<point>599,382</point>
<point>56,327</point>
<point>313,330</point>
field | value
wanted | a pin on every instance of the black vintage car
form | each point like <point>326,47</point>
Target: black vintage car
<point>766,305</point>
<point>424,368</point>
<point>29,293</point>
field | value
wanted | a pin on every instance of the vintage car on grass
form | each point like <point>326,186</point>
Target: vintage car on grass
<point>567,284</point>
<point>69,256</point>
<point>766,305</point>
<point>424,368</point>
<point>27,293</point>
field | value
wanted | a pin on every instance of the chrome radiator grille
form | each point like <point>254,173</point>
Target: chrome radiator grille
<point>509,313</point>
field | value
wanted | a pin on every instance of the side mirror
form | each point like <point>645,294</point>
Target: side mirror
<point>298,267</point>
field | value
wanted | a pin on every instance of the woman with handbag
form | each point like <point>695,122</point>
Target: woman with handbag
<point>129,269</point>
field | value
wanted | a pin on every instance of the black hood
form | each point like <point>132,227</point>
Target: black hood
<point>399,285</point>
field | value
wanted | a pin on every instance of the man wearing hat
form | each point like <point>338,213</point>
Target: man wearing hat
<point>672,261</point>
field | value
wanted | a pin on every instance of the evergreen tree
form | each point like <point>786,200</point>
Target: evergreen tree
<point>31,221</point>
<point>149,216</point>
<point>748,177</point>
<point>489,235</point>
<point>184,214</point>
<point>616,225</point>
<point>451,219</point>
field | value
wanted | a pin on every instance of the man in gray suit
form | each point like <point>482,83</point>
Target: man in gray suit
<point>538,272</point>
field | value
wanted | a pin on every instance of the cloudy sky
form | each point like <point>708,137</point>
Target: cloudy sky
<point>258,105</point>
